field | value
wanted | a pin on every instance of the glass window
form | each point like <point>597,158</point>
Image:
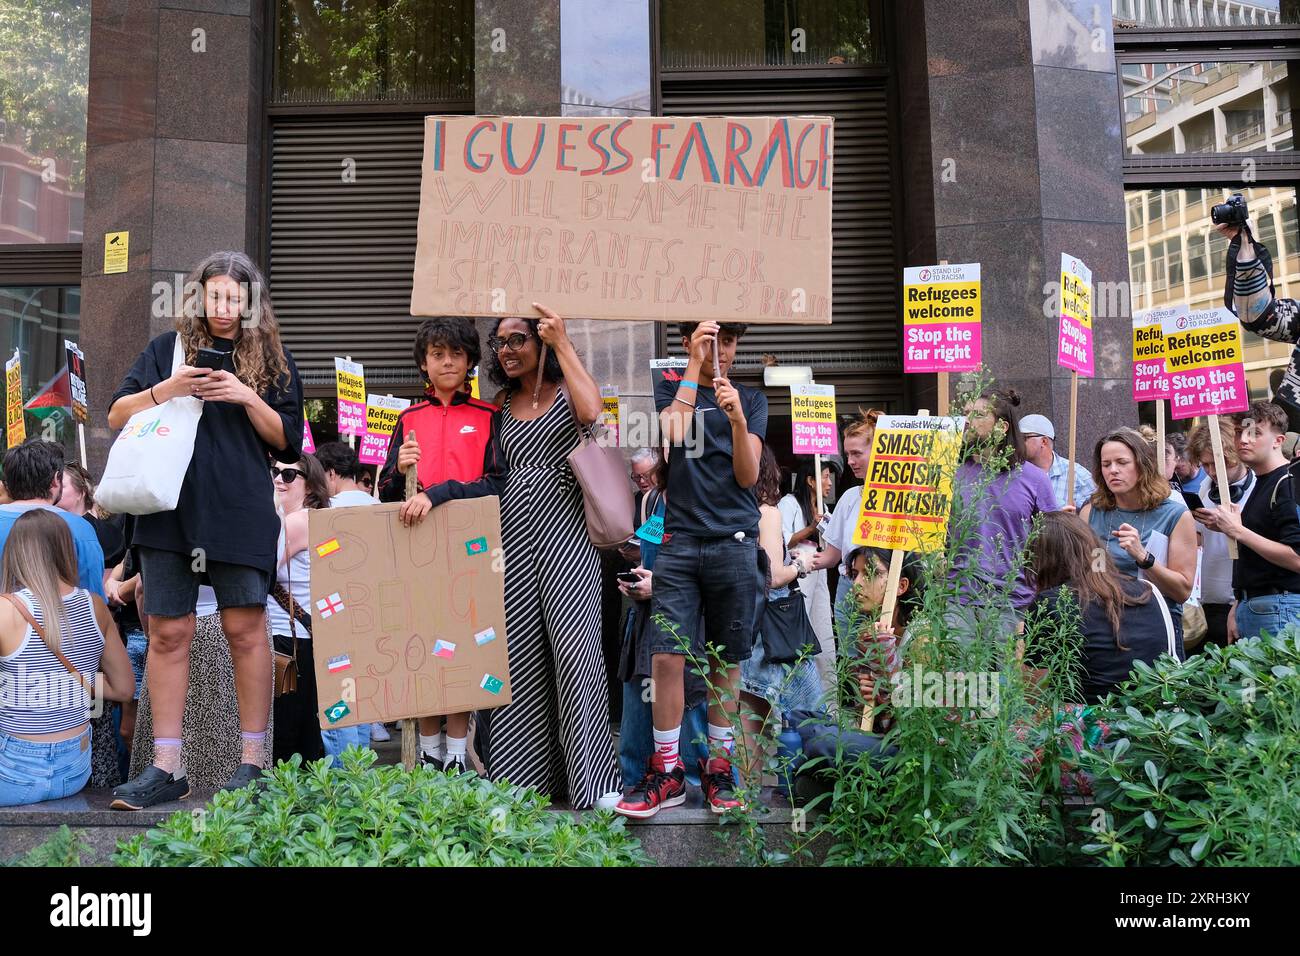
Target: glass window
<point>44,69</point>
<point>1218,250</point>
<point>726,34</point>
<point>1266,229</point>
<point>1155,206</point>
<point>1158,279</point>
<point>1174,260</point>
<point>1182,14</point>
<point>1173,108</point>
<point>1137,270</point>
<point>1196,263</point>
<point>332,51</point>
<point>35,321</point>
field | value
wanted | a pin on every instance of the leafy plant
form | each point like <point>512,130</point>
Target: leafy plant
<point>63,848</point>
<point>1206,769</point>
<point>361,815</point>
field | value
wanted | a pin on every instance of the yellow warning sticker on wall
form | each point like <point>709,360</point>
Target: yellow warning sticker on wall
<point>116,250</point>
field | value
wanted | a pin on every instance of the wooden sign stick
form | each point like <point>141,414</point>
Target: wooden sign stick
<point>1216,442</point>
<point>943,377</point>
<point>1074,420</point>
<point>887,606</point>
<point>886,617</point>
<point>1160,431</point>
<point>410,725</point>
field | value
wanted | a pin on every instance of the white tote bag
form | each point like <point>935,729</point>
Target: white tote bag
<point>148,461</point>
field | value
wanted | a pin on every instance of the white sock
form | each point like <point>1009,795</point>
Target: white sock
<point>456,747</point>
<point>721,738</point>
<point>431,745</point>
<point>666,746</point>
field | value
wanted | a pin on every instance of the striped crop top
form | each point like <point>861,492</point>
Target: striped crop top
<point>37,694</point>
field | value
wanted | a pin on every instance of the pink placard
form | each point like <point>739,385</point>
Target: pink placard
<point>1209,391</point>
<point>814,438</point>
<point>373,449</point>
<point>1150,376</point>
<point>941,318</point>
<point>352,418</point>
<point>308,443</point>
<point>1074,343</point>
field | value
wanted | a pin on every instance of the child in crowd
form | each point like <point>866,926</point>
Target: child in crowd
<point>453,441</point>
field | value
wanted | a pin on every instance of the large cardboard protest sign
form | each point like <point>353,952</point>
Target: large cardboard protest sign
<point>1203,353</point>
<point>907,497</point>
<point>1150,377</point>
<point>676,219</point>
<point>1074,341</point>
<point>408,622</point>
<point>941,318</point>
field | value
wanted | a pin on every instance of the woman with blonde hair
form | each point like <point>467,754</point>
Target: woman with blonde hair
<point>1148,533</point>
<point>226,350</point>
<point>54,637</point>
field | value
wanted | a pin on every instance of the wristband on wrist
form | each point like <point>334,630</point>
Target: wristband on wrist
<point>687,383</point>
<point>678,398</point>
<point>153,396</point>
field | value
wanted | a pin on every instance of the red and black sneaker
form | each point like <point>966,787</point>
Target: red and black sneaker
<point>719,786</point>
<point>657,790</point>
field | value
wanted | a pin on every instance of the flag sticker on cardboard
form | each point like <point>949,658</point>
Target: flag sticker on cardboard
<point>340,662</point>
<point>331,605</point>
<point>491,684</point>
<point>485,636</point>
<point>328,548</point>
<point>1203,353</point>
<point>444,649</point>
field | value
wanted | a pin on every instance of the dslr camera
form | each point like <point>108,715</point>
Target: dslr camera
<point>1230,213</point>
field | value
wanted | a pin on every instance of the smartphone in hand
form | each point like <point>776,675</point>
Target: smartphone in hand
<point>211,359</point>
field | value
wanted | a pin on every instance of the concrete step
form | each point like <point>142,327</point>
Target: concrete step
<point>688,835</point>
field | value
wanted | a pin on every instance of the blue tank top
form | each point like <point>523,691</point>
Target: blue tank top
<point>1162,518</point>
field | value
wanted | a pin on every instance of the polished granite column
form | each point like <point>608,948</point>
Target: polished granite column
<point>173,145</point>
<point>1012,149</point>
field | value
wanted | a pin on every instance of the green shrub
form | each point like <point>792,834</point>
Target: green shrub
<point>63,848</point>
<point>1206,763</point>
<point>381,816</point>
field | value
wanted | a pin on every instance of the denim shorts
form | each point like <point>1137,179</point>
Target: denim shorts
<point>1267,612</point>
<point>31,771</point>
<point>715,578</point>
<point>137,650</point>
<point>171,585</point>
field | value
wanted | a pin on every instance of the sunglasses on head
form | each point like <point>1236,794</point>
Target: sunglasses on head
<point>514,342</point>
<point>287,475</point>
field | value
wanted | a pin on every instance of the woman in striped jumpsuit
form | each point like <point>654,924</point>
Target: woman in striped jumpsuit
<point>555,733</point>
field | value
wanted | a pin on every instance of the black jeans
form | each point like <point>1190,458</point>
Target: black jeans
<point>297,724</point>
<point>1216,625</point>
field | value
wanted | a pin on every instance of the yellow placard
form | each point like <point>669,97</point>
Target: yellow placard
<point>382,412</point>
<point>15,427</point>
<point>116,251</point>
<point>1076,294</point>
<point>350,386</point>
<point>907,497</point>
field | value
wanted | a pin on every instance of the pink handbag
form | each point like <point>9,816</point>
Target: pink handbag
<point>606,490</point>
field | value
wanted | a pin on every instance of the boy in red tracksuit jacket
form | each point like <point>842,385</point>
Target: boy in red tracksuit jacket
<point>453,441</point>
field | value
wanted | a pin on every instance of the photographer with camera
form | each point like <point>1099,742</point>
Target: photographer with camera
<point>1249,293</point>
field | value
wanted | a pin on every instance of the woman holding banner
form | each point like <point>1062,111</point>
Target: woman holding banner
<point>554,734</point>
<point>226,350</point>
<point>1148,533</point>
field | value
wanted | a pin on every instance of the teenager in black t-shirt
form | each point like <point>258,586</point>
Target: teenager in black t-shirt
<point>708,563</point>
<point>1266,577</point>
<point>224,528</point>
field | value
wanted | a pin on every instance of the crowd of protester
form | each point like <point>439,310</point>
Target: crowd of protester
<point>179,615</point>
